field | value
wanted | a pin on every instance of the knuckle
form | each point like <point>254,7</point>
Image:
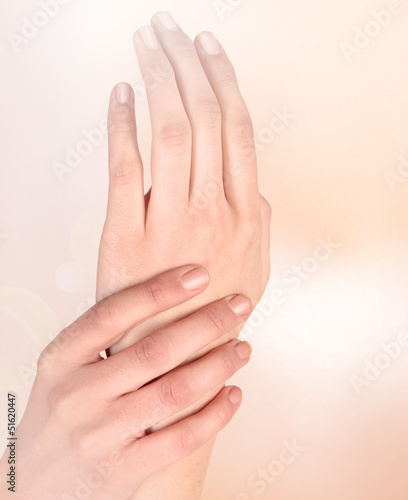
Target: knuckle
<point>214,320</point>
<point>173,392</point>
<point>101,315</point>
<point>125,172</point>
<point>151,351</point>
<point>186,440</point>
<point>122,124</point>
<point>209,111</point>
<point>176,136</point>
<point>219,418</point>
<point>227,74</point>
<point>228,361</point>
<point>156,291</point>
<point>241,132</point>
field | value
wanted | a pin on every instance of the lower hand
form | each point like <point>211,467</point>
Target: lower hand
<point>87,424</point>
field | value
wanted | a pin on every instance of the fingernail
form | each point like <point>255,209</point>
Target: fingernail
<point>209,43</point>
<point>167,21</point>
<point>235,396</point>
<point>244,350</point>
<point>240,305</point>
<point>195,279</point>
<point>148,37</point>
<point>122,93</point>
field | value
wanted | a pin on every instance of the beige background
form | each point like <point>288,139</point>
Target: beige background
<point>330,172</point>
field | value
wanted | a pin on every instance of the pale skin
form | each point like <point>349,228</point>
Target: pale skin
<point>204,205</point>
<point>87,420</point>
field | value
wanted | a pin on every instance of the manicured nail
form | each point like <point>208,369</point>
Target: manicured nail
<point>244,350</point>
<point>122,93</point>
<point>209,43</point>
<point>235,396</point>
<point>148,36</point>
<point>167,21</point>
<point>195,279</point>
<point>240,305</point>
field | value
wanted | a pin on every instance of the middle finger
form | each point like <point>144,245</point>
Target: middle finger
<point>200,103</point>
<point>165,349</point>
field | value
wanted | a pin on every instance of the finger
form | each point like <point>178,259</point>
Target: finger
<point>173,443</point>
<point>104,323</point>
<point>171,130</point>
<point>179,389</point>
<point>199,101</point>
<point>266,213</point>
<point>239,155</point>
<point>125,215</point>
<point>165,349</point>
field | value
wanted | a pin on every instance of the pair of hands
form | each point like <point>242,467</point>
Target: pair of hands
<point>109,424</point>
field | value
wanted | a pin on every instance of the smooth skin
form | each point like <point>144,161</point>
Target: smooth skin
<point>203,207</point>
<point>86,426</point>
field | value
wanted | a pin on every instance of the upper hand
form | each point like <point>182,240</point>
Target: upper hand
<point>204,205</point>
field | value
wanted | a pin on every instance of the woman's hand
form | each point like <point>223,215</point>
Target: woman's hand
<point>86,431</point>
<point>204,205</point>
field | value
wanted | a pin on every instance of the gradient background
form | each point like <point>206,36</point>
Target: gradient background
<point>334,170</point>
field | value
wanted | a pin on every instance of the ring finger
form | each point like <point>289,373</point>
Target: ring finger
<point>172,393</point>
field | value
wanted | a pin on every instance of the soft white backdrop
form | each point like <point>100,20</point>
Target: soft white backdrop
<point>330,172</point>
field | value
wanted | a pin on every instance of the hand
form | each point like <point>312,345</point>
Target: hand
<point>86,427</point>
<point>204,205</point>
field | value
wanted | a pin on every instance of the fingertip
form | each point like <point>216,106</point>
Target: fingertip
<point>208,43</point>
<point>195,279</point>
<point>240,305</point>
<point>123,93</point>
<point>234,395</point>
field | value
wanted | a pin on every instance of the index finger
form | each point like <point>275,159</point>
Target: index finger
<point>103,324</point>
